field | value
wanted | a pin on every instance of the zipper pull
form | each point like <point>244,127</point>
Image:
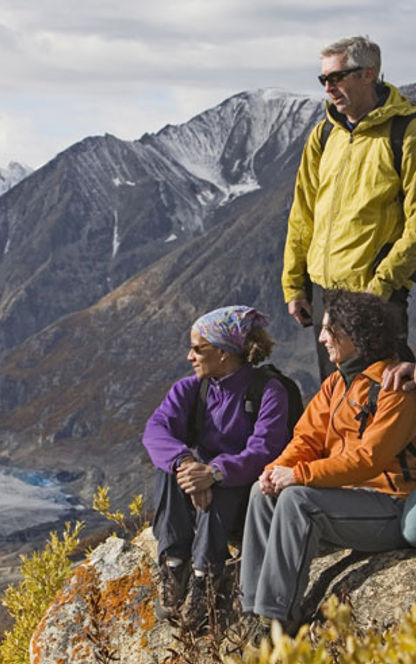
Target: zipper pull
<point>351,137</point>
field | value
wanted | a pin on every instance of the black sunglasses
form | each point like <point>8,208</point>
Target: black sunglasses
<point>336,76</point>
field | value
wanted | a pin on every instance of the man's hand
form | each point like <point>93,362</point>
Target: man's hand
<point>193,477</point>
<point>281,477</point>
<point>301,311</point>
<point>393,377</point>
<point>201,500</point>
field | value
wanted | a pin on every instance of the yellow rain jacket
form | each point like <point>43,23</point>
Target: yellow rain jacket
<point>348,204</point>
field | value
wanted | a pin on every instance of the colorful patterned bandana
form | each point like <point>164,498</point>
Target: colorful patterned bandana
<point>228,327</point>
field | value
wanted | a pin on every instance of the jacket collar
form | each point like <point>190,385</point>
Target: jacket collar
<point>390,102</point>
<point>351,368</point>
<point>355,366</point>
<point>233,380</point>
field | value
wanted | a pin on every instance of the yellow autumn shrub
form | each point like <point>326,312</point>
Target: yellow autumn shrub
<point>338,641</point>
<point>43,574</point>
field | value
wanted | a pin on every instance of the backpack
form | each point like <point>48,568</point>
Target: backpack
<point>371,408</point>
<point>252,400</point>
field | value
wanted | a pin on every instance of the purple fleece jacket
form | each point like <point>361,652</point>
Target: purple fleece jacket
<point>225,439</point>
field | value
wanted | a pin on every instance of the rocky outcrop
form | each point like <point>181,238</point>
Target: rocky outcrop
<point>109,602</point>
<point>107,606</point>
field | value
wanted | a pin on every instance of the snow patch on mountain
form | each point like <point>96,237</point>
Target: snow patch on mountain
<point>12,175</point>
<point>172,237</point>
<point>219,146</point>
<point>116,235</point>
<point>7,246</point>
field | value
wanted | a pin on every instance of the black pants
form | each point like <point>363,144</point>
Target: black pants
<point>398,298</point>
<point>184,532</point>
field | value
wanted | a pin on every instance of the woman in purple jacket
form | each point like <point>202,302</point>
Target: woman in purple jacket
<point>202,485</point>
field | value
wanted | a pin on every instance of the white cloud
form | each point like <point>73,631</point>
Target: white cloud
<point>85,67</point>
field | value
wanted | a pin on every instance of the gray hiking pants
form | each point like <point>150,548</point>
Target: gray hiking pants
<point>282,535</point>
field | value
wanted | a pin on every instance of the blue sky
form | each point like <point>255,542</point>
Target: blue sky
<point>73,68</point>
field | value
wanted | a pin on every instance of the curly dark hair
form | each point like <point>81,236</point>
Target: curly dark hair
<point>369,321</point>
<point>258,346</point>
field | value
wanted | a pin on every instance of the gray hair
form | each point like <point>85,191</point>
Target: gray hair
<point>359,51</point>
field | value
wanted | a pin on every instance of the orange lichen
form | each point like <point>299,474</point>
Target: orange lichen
<point>118,600</point>
<point>119,594</point>
<point>147,615</point>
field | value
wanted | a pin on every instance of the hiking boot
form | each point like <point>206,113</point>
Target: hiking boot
<point>194,612</point>
<point>194,609</point>
<point>260,627</point>
<point>172,585</point>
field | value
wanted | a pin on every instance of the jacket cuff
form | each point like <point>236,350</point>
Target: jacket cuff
<point>178,461</point>
<point>297,475</point>
<point>291,294</point>
<point>383,289</point>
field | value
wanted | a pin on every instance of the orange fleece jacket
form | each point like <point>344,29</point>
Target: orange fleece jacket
<point>325,450</point>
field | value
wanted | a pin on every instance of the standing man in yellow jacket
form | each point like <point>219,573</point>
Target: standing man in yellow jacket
<point>353,219</point>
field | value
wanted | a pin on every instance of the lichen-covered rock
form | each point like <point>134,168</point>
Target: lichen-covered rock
<point>107,607</point>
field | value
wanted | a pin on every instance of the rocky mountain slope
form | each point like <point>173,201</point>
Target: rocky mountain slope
<point>104,209</point>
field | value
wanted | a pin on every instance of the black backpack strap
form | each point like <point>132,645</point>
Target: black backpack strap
<point>370,407</point>
<point>252,399</point>
<point>403,461</point>
<point>398,128</point>
<point>254,394</point>
<point>411,448</point>
<point>404,466</point>
<point>196,418</point>
<point>327,127</point>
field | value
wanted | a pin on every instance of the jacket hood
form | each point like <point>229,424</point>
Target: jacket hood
<point>394,104</point>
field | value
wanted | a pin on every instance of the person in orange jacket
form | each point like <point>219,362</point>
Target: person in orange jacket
<point>345,475</point>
